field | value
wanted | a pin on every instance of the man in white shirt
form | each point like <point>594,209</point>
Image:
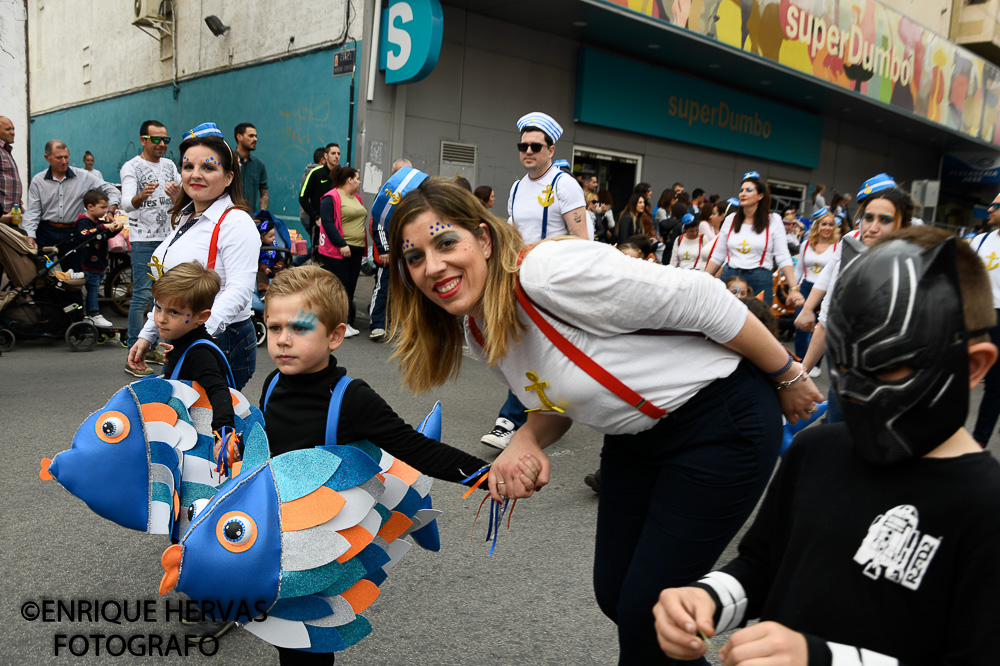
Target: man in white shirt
<point>150,185</point>
<point>545,203</point>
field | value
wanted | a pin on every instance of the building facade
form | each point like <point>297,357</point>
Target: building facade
<point>696,91</point>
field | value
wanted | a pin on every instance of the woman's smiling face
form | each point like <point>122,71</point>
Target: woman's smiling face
<point>447,262</point>
<point>202,174</point>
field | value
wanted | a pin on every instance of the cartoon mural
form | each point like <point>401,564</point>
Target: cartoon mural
<point>859,45</point>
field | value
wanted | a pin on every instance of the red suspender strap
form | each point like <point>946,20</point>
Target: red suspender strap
<point>213,248</point>
<point>477,334</point>
<point>698,256</point>
<point>767,238</point>
<point>584,362</point>
<point>728,234</point>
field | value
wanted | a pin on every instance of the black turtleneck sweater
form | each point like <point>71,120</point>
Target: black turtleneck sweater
<point>207,367</point>
<point>296,419</point>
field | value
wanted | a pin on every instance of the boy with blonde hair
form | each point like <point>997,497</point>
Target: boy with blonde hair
<point>901,566</point>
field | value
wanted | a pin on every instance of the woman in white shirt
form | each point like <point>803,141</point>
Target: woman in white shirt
<point>752,240</point>
<point>684,484</point>
<point>817,253</point>
<point>212,226</point>
<point>691,249</point>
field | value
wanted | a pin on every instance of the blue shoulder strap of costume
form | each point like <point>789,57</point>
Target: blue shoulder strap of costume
<point>980,246</point>
<point>270,387</point>
<point>513,197</point>
<point>333,413</point>
<point>203,341</point>
<point>545,209</point>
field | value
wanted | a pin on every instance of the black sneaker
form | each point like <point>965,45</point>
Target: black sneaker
<point>594,481</point>
<point>210,628</point>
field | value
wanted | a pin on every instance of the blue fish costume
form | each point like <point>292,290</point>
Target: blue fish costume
<point>309,536</point>
<point>148,452</point>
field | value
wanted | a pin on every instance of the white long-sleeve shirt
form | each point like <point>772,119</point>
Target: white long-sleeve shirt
<point>602,297</point>
<point>746,249</point>
<point>238,252</point>
<point>812,263</point>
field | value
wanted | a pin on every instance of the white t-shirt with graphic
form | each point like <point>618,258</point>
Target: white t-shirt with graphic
<point>527,196</point>
<point>151,222</point>
<point>812,263</point>
<point>746,249</point>
<point>691,252</point>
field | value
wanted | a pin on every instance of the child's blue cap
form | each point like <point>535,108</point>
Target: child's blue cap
<point>688,220</point>
<point>882,181</point>
<point>399,185</point>
<point>263,226</point>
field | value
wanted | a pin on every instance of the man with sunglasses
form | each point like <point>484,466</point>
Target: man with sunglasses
<point>545,203</point>
<point>150,185</point>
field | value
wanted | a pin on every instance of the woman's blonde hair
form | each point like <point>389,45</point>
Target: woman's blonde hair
<point>429,340</point>
<point>814,229</point>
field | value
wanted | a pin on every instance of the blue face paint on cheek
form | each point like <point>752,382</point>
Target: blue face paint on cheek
<point>304,322</point>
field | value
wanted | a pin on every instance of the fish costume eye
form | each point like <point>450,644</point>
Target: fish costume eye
<point>196,508</point>
<point>236,531</point>
<point>112,427</point>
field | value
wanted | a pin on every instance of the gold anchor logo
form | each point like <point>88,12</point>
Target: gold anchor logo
<point>394,197</point>
<point>156,266</point>
<point>816,268</point>
<point>991,262</point>
<point>687,256</point>
<point>546,198</point>
<point>540,386</point>
<point>744,247</point>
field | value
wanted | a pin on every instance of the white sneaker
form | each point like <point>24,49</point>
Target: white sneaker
<point>816,372</point>
<point>99,321</point>
<point>351,331</point>
<point>377,335</point>
<point>500,436</point>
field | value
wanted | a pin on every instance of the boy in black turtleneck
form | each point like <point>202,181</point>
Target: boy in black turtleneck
<point>182,302</point>
<point>306,311</point>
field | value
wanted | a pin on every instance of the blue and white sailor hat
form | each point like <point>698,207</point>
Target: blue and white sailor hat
<point>821,213</point>
<point>688,220</point>
<point>399,185</point>
<point>882,181</point>
<point>542,121</point>
<point>205,129</point>
<point>752,174</point>
<point>733,201</point>
<point>561,164</point>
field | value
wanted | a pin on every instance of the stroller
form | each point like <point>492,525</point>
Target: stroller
<point>38,301</point>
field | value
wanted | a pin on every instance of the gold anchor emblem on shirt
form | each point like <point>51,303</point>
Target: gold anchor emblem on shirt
<point>394,197</point>
<point>816,268</point>
<point>991,262</point>
<point>156,266</point>
<point>546,197</point>
<point>540,386</point>
<point>744,247</point>
<point>687,257</point>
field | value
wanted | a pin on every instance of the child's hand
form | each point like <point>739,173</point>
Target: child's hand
<point>680,614</point>
<point>530,467</point>
<point>167,347</point>
<point>226,437</point>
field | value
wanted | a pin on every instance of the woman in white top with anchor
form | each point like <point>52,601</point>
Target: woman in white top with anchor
<point>752,240</point>
<point>818,252</point>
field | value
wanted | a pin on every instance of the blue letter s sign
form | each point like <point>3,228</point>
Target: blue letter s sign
<point>410,40</point>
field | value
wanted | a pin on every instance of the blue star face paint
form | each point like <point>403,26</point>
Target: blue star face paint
<point>438,227</point>
<point>304,322</point>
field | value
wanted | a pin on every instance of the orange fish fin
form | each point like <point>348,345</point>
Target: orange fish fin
<point>361,595</point>
<point>44,474</point>
<point>311,510</point>
<point>157,411</point>
<point>202,400</point>
<point>404,471</point>
<point>395,526</point>
<point>358,537</point>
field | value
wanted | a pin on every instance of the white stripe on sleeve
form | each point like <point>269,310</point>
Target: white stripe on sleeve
<point>733,598</point>
<point>849,655</point>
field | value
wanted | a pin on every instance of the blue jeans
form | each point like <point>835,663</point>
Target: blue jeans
<point>759,279</point>
<point>256,303</point>
<point>142,284</point>
<point>513,410</point>
<point>93,290</point>
<point>802,339</point>
<point>380,294</point>
<point>239,345</point>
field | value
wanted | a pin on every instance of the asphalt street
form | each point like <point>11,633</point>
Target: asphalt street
<point>530,603</point>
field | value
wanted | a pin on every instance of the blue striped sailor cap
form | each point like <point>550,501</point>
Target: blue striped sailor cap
<point>752,174</point>
<point>561,164</point>
<point>822,212</point>
<point>399,185</point>
<point>882,181</point>
<point>542,121</point>
<point>205,129</point>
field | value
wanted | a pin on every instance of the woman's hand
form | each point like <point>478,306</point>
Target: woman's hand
<point>794,299</point>
<point>799,399</point>
<point>680,613</point>
<point>806,320</point>
<point>345,252</point>
<point>765,643</point>
<point>508,476</point>
<point>137,354</point>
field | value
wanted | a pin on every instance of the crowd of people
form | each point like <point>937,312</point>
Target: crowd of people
<point>566,298</point>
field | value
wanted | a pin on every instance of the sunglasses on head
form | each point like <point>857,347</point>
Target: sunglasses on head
<point>535,147</point>
<point>993,207</point>
<point>157,139</point>
<point>884,218</point>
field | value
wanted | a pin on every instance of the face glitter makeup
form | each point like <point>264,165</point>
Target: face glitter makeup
<point>303,322</point>
<point>438,227</point>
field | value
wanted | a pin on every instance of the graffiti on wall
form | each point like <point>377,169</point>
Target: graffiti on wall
<point>858,45</point>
